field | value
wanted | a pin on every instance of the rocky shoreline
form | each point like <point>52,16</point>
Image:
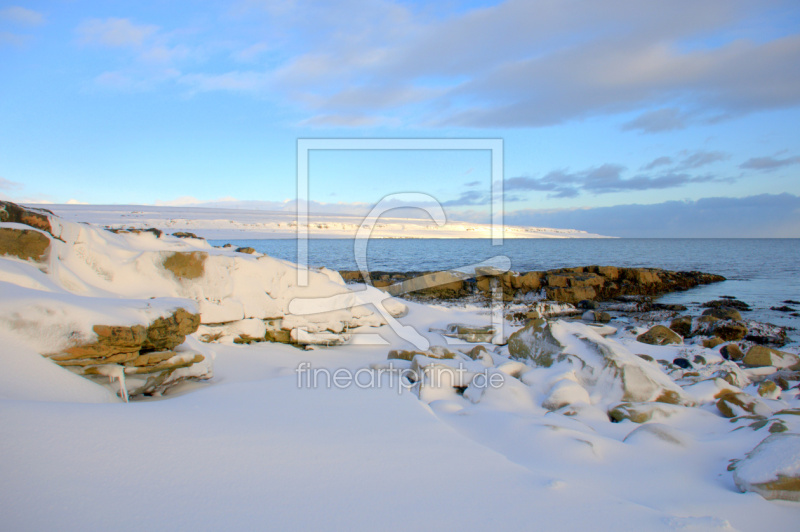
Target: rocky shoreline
<point>566,285</point>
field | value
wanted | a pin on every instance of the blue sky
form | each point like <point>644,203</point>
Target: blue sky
<point>623,110</point>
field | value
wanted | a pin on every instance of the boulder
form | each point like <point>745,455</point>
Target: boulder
<point>735,404</point>
<point>660,335</point>
<point>772,468</point>
<point>25,244</point>
<point>682,325</point>
<point>723,313</point>
<point>731,352</point>
<point>729,331</point>
<point>571,295</point>
<point>536,343</point>
<point>761,356</point>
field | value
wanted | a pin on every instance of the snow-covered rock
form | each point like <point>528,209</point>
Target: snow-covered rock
<point>772,469</point>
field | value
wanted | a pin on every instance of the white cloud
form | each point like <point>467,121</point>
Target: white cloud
<point>114,32</point>
<point>22,16</point>
<point>6,184</point>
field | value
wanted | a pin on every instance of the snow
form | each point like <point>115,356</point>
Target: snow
<point>233,224</point>
<point>490,443</point>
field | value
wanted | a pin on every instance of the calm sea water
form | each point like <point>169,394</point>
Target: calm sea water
<point>762,272</point>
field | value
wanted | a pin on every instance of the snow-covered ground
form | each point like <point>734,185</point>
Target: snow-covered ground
<point>233,224</point>
<point>261,445</point>
<point>253,449</point>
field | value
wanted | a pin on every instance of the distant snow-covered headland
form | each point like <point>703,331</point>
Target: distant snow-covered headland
<point>219,223</point>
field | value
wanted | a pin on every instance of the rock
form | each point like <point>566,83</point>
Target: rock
<point>771,468</point>
<point>445,284</point>
<point>247,250</point>
<point>168,333</point>
<point>731,352</point>
<point>783,308</point>
<point>587,304</point>
<point>760,356</point>
<point>727,302</point>
<point>711,343</point>
<point>723,313</point>
<point>682,363</point>
<point>659,335</point>
<point>642,412</point>
<point>735,404</point>
<point>36,218</point>
<point>729,331</point>
<point>470,333</point>
<point>536,343</point>
<point>596,316</point>
<point>184,234</point>
<point>409,355</point>
<point>25,244</point>
<point>682,325</point>
<point>769,390</point>
<point>699,359</point>
<point>186,265</point>
<point>137,350</point>
<point>571,295</point>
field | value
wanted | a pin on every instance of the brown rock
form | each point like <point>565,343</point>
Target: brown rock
<point>659,335</point>
<point>25,244</point>
<point>723,313</point>
<point>760,356</point>
<point>682,325</point>
<point>186,265</point>
<point>731,352</point>
<point>36,218</point>
<point>729,331</point>
<point>713,342</point>
<point>168,333</point>
<point>571,295</point>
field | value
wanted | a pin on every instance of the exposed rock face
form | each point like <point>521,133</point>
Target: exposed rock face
<point>660,335</point>
<point>186,265</point>
<point>569,285</point>
<point>24,244</point>
<point>36,218</point>
<point>771,469</point>
<point>139,350</point>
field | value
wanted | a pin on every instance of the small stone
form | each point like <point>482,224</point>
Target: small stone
<point>711,343</point>
<point>769,390</point>
<point>731,352</point>
<point>682,363</point>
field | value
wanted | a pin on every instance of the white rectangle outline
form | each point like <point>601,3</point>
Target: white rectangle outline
<point>495,146</point>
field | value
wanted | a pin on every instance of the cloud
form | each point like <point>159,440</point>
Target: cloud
<point>115,32</point>
<point>658,161</point>
<point>343,121</point>
<point>768,164</point>
<point>763,216</point>
<point>468,198</point>
<point>22,16</point>
<point>659,120</point>
<point>702,158</point>
<point>609,178</point>
<point>5,184</point>
<point>528,64</point>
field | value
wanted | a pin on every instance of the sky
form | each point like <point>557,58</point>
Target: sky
<point>621,117</point>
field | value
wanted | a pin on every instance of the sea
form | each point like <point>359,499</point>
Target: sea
<point>764,273</point>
